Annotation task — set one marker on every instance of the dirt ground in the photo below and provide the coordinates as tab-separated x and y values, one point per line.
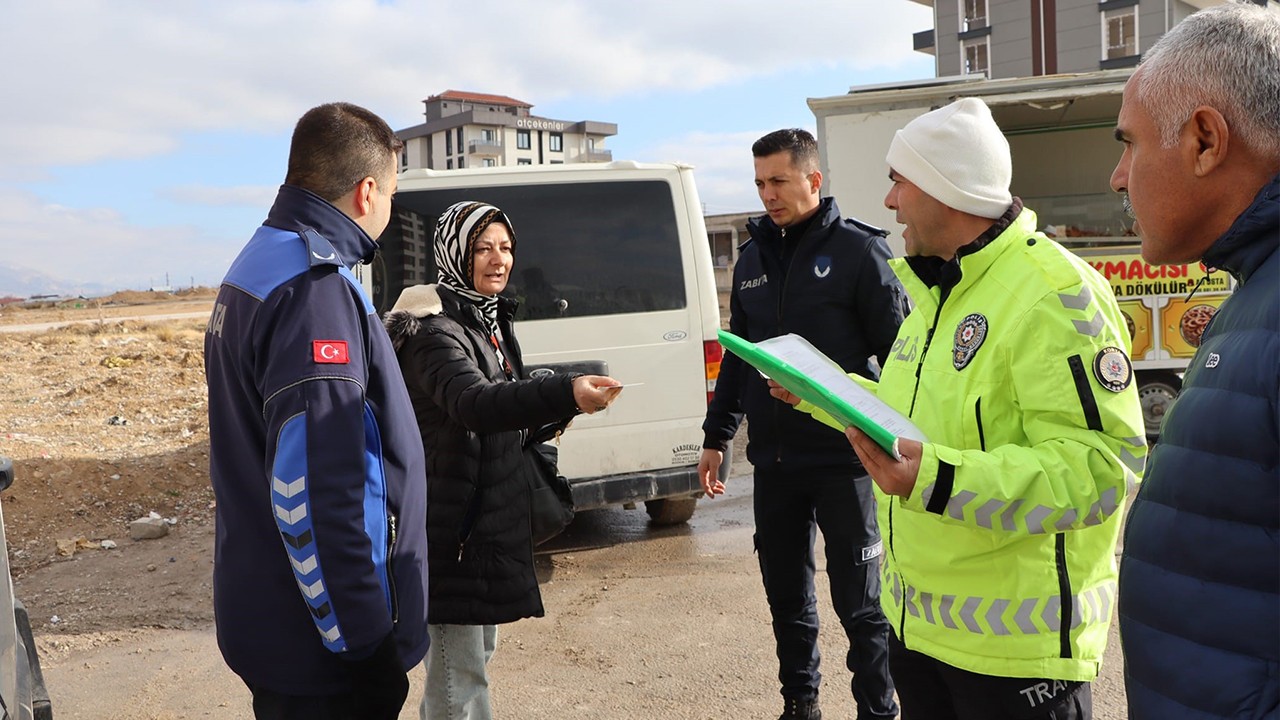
105	422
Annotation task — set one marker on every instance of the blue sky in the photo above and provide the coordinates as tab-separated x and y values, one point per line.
145	139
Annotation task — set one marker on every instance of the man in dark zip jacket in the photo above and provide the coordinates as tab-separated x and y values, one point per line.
808	271
320	556
1199	603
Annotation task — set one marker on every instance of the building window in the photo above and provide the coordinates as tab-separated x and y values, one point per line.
489	162
973	15
721	248
524	161
448	143
448	164
404	157
462	162
976	59
523	141
555	142
1120	33
459	139
488	136
557	162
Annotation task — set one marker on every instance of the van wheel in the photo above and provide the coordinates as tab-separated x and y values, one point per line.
670	511
1156	392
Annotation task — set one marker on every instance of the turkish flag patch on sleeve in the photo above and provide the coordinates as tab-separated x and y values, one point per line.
330	351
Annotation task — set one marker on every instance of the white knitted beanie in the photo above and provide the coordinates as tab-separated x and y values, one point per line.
957	155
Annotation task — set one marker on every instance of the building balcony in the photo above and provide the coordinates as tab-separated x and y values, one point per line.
923	41
481	148
597	156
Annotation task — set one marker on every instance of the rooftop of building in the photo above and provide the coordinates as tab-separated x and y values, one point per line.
472	97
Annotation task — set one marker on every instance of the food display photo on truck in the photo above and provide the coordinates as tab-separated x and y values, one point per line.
1060	130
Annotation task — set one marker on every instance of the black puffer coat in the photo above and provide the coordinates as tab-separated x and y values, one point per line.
473	422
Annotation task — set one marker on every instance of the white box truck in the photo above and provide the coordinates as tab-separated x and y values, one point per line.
613	273
1061	132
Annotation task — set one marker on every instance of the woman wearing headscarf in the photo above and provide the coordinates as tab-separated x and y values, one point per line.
462	365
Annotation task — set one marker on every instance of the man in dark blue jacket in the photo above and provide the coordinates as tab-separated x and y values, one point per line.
320	558
1200	573
808	271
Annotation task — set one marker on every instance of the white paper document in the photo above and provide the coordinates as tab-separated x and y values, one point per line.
822	370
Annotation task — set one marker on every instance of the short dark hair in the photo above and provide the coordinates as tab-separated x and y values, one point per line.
798	142
336	146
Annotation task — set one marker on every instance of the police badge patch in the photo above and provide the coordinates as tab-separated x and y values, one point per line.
969	336
1113	369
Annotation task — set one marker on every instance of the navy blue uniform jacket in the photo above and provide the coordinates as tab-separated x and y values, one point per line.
1200	575
315	460
839	294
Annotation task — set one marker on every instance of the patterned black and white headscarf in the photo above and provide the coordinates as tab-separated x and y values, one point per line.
456	232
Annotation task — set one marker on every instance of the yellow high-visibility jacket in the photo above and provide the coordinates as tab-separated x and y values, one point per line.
1001	561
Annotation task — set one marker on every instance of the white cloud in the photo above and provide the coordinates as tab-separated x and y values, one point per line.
99	246
102	79
252	196
723	168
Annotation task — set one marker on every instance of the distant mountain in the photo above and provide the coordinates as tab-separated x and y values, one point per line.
25	282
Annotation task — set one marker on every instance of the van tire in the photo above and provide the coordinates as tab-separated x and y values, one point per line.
670	511
1156	392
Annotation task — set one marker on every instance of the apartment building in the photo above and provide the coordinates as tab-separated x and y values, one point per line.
467	129
1020	38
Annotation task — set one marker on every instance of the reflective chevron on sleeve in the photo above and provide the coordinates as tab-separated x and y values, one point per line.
290	503
1006	517
305	567
1035	520
1102	508
291	516
983	515
1079	301
1067	520
955	506
288	490
1092	327
996	514
1135	463
313	590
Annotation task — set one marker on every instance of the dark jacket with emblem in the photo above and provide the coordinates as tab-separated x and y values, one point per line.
1200	574
837	292
314	461
473	424
1013	365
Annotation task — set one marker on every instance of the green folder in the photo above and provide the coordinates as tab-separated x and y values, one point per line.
834	400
